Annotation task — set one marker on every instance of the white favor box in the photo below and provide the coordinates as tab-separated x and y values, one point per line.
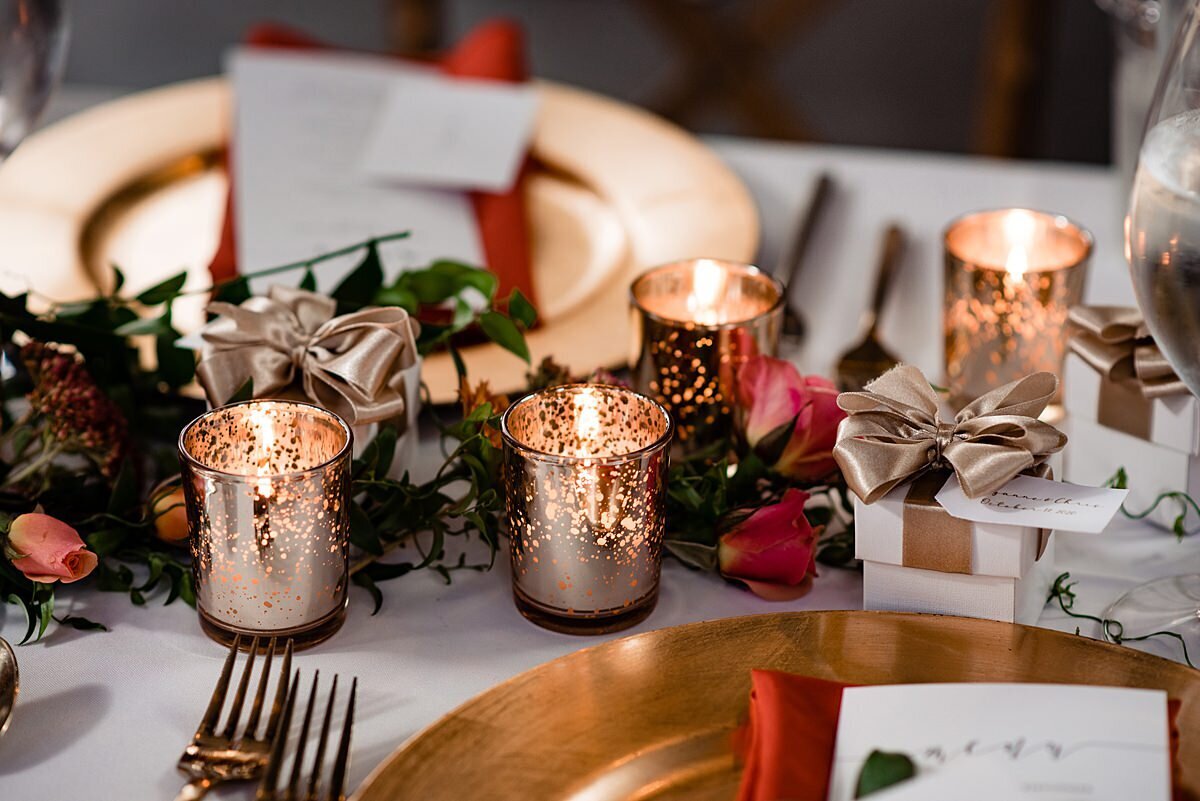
1174	420
896	588
1008	581
1095	453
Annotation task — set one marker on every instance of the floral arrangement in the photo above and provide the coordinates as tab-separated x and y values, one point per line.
85	494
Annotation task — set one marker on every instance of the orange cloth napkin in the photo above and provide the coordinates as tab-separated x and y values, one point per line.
788	742
494	50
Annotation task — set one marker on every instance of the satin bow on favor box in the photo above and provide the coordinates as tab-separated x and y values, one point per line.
352	365
1115	341
893	434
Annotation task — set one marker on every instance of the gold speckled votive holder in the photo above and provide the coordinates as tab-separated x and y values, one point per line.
695	323
585	472
1012	276
267	489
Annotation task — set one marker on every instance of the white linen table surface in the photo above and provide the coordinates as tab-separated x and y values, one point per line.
105	715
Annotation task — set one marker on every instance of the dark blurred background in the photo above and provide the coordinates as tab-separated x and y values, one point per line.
1025	78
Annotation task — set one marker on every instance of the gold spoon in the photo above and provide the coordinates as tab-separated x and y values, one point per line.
869	358
9	684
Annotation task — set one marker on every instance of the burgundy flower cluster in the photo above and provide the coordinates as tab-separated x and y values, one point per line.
77	414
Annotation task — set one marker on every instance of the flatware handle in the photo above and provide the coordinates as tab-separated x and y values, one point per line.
790	267
889	257
194	790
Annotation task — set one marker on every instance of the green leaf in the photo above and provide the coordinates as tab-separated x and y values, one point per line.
883	769
106	542
236	291
504	333
359	287
385	442
158	326
309	281
464	275
245	392
397	296
367	583
521	309
176	366
362	531
81	623
164	290
125	490
693	554
771	447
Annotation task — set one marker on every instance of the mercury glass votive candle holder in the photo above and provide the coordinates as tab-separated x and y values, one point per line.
585	472
267	490
1011	276
695	323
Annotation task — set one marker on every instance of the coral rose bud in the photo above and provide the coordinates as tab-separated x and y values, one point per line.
49	549
773	551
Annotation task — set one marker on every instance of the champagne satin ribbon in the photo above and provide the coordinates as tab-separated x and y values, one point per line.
893	434
352	365
1115	341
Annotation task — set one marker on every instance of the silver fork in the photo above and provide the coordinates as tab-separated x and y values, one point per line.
335	790
236	752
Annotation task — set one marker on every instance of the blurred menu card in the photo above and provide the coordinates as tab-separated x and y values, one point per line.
302	125
1017	741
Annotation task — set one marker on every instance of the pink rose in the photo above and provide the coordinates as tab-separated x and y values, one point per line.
773	551
778	402
51	550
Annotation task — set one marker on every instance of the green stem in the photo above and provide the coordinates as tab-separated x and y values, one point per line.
44	458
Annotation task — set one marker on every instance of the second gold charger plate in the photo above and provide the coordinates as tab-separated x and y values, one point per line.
138	181
651	716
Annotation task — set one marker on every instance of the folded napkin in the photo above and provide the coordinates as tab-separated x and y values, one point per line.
493	50
787	744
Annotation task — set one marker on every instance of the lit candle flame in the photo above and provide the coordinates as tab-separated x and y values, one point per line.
587	422
1019	228
708	288
264	428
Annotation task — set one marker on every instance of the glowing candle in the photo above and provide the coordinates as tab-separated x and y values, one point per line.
266	489
1011	277
695	322
585	469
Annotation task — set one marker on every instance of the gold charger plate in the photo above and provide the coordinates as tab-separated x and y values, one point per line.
136	181
650	716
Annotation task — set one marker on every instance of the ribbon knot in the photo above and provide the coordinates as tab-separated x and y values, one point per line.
893	434
1115	341
289	342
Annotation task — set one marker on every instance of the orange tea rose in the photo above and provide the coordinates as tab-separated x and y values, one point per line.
49	550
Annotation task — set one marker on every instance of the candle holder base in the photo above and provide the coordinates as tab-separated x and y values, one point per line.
302	637
584	623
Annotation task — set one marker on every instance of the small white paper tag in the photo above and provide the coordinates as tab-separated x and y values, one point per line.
435	131
1037	502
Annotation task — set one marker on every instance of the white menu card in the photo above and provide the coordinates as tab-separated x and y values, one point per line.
1049	742
301	128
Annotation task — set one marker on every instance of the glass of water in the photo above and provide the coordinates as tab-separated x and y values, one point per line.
33	47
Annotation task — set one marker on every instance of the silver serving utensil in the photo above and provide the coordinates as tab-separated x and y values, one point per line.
869	358
10	684
789	265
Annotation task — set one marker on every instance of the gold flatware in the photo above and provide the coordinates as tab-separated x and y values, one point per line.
869	358
10	684
335	788
789	265
236	752
651	716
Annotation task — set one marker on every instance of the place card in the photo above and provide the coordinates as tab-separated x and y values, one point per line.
451	133
1038	503
1052	742
301	125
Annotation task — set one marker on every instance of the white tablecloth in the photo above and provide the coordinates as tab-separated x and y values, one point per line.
105	715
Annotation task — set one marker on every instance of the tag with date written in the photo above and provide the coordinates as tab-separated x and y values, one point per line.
1037	502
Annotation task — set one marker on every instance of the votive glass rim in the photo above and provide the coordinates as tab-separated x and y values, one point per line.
198	466
746	268
1061	221
559	458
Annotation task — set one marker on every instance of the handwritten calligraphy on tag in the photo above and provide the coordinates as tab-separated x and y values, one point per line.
1037	502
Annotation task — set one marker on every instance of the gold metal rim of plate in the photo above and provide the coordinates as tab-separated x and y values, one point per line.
651	716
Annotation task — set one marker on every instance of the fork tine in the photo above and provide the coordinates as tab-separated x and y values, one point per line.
261	694
266	785
239	697
337	780
319	758
280	692
294	782
208	723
